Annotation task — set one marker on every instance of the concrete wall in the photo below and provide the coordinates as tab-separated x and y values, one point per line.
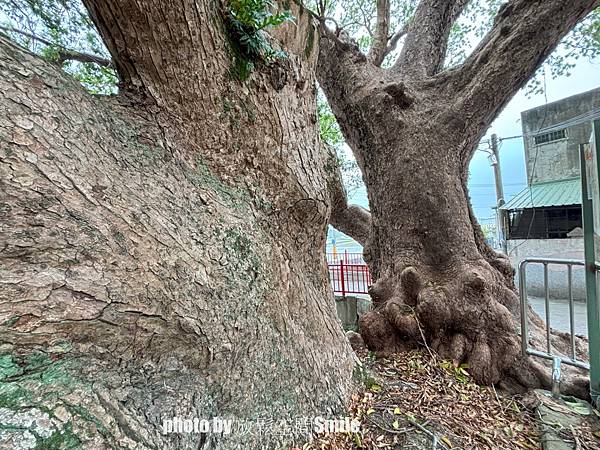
557	275
350	309
557	160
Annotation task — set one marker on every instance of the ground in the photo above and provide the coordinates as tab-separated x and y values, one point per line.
411	399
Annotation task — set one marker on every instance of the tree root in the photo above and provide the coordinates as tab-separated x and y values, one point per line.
465	316
470	316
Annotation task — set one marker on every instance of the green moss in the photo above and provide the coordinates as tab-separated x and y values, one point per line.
61	440
152	155
36	360
12	396
9	367
80	411
118	235
11	321
36	367
203	177
40	382
240	243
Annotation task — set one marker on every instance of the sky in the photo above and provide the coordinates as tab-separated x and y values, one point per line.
584	77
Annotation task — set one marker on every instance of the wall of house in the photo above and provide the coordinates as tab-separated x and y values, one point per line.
571	248
557	160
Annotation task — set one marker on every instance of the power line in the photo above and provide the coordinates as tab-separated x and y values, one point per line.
586	117
493	185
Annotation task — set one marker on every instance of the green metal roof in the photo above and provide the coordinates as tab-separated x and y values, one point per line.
551	193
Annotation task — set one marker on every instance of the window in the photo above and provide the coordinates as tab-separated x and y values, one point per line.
544	223
550	137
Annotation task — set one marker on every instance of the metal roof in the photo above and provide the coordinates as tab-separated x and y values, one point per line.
551	193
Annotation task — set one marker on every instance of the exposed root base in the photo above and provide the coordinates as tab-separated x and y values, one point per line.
468	315
464	315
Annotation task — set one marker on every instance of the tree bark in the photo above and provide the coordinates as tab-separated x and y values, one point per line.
162	251
413	129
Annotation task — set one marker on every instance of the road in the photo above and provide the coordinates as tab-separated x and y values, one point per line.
559	314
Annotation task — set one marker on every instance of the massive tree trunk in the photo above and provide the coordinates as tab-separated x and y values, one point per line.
162	251
413	129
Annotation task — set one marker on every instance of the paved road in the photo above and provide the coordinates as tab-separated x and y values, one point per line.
559	314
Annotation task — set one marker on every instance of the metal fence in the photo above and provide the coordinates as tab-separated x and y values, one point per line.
556	359
570	359
349	278
346	257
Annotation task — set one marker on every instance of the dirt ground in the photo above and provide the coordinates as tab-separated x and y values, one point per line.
416	400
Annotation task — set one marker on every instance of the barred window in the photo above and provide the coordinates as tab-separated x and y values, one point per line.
554	222
550	137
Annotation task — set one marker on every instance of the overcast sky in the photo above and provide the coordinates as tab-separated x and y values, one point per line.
585	76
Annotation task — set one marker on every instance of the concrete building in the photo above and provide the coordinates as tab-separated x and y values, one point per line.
544	220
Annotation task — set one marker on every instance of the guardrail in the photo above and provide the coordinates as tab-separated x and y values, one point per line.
349	278
348	258
545	262
557	360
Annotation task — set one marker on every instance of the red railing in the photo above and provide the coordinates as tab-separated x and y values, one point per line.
349	278
348	258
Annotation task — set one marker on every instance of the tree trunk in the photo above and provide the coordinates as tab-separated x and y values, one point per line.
413	129
423	250
162	251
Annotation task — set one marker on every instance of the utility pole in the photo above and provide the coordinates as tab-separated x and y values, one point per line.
495	162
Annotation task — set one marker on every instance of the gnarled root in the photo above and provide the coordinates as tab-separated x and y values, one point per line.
464	315
468	315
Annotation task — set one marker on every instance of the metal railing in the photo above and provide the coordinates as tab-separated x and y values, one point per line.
349	278
347	257
557	360
572	358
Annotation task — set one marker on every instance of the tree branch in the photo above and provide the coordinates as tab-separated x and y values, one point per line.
382	28
393	41
424	51
525	32
64	54
346	77
353	220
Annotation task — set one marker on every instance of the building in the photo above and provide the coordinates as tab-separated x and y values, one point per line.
544	220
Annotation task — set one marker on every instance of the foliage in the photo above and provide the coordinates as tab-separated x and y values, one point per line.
246	21
357	18
96	79
64	24
582	42
488	230
328	127
459	372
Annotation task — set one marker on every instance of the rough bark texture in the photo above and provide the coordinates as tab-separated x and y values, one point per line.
413	129
162	251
